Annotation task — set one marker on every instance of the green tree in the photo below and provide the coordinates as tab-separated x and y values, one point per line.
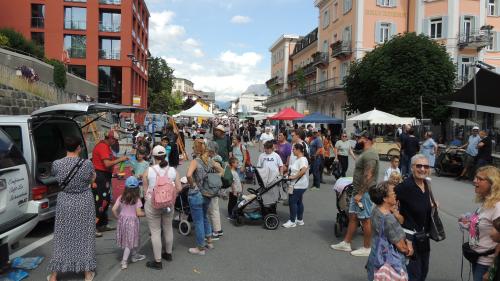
165	102
301	80
17	42
188	103
59	74
160	75
394	75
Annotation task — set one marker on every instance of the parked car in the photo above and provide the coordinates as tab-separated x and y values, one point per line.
40	137
18	214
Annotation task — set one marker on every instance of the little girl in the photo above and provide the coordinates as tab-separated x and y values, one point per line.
139	165
127	209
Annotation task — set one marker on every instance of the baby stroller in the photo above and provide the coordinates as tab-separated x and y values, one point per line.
183	219
260	203
450	162
344	191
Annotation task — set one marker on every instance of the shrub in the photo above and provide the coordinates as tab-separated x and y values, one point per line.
59	73
17	41
4	40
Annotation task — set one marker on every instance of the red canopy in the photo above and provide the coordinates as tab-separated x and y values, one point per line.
286	114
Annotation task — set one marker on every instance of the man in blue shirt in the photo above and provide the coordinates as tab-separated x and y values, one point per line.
316	152
470	154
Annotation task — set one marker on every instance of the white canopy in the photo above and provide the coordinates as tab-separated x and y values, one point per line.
395	121
196	111
382	118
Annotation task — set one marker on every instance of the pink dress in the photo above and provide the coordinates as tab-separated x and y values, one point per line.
127	232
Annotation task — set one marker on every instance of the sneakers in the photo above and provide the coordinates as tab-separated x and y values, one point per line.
154	265
361	252
166	256
342	246
137	257
220	233
124	265
314	188
299	222
196	251
216	235
289	224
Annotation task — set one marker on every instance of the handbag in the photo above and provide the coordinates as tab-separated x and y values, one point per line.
471	255
388	273
227	178
436	229
71	174
212	181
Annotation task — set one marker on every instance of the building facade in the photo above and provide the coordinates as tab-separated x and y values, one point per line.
348	29
103	41
184	86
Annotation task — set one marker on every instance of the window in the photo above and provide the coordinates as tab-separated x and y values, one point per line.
75	45
491	7
15	134
37	15
38	38
465	71
109	22
10	155
436	31
78	70
347	6
344	70
326	19
346	34
75	18
335	11
110	81
384	32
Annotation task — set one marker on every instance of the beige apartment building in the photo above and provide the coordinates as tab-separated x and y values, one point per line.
348	29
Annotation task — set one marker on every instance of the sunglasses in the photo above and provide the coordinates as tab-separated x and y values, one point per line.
420	166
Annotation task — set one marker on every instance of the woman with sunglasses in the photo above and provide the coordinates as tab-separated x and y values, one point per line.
342	150
480	223
415	214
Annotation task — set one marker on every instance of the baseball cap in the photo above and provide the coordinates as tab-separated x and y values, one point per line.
112	134
220	128
140	135
131	182
366	134
159	151
475	128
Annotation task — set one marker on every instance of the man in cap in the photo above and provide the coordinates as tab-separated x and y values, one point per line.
470	153
223	142
104	160
360	207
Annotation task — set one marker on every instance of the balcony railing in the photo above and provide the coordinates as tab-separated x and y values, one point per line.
475	39
461	81
37	22
109	54
78	1
109	27
309	90
341	49
111	2
320	59
77	52
75	24
309	69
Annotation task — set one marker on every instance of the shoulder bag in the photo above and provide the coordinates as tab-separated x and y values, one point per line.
71	174
436	230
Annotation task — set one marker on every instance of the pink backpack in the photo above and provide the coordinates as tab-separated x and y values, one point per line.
164	192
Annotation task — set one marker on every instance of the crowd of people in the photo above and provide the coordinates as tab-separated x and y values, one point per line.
395	213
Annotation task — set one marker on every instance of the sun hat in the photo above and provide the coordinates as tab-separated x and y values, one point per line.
221	128
131	182
159	151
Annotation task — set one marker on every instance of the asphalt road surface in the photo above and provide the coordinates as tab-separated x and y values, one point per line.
250	252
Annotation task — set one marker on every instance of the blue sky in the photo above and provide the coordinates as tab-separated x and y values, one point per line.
222	46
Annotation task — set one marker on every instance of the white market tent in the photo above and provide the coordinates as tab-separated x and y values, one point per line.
378	117
196	111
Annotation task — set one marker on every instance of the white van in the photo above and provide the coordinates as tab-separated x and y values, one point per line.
18	214
40	137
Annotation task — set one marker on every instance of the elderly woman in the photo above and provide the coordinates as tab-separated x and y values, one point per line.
480	223
415	207
429	148
74	229
199	202
385	225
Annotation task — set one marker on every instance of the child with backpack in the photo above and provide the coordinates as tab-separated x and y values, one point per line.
128	210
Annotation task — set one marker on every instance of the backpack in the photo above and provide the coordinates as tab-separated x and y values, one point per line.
211	180
227	178
164	193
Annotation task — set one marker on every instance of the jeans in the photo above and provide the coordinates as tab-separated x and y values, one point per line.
296	205
344	164
418	267
405	165
199	209
478	270
316	170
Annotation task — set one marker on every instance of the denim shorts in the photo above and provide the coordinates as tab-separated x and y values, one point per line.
364	213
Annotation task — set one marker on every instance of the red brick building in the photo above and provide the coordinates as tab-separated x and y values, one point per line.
103	41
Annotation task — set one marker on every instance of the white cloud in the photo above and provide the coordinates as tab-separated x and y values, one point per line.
198	53
246	59
174	61
191	42
240	19
196	67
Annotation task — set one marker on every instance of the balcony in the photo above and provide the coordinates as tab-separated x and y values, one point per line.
341	49
309	70
276	80
474	39
108	54
77	52
110	2
75	24
461	81
37	22
309	90
320	59
109	27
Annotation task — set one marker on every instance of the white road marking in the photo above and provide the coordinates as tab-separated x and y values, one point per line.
32	246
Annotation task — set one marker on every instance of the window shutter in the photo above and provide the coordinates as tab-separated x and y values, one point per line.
496	41
425	27
394	30
476	24
444	32
377	32
461	26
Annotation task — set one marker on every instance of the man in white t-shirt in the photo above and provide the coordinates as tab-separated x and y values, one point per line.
270	159
266	136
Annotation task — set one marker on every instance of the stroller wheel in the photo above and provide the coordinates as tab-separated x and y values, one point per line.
438	171
271	221
184	227
238	221
338	229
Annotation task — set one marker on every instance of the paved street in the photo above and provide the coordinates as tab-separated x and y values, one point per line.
251	252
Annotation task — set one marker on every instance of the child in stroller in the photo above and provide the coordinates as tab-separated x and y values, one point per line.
260	203
343	190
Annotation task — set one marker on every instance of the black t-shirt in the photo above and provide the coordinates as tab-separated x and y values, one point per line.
484	152
410	146
414	205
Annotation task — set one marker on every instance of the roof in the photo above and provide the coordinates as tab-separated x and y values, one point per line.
282	38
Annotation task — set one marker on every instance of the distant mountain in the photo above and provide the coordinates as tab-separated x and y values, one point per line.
259	89
223	104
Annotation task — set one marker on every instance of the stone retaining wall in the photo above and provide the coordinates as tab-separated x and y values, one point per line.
14	102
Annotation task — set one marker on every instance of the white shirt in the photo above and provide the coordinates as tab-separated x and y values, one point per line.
264	137
303	182
172	174
270	161
389	171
